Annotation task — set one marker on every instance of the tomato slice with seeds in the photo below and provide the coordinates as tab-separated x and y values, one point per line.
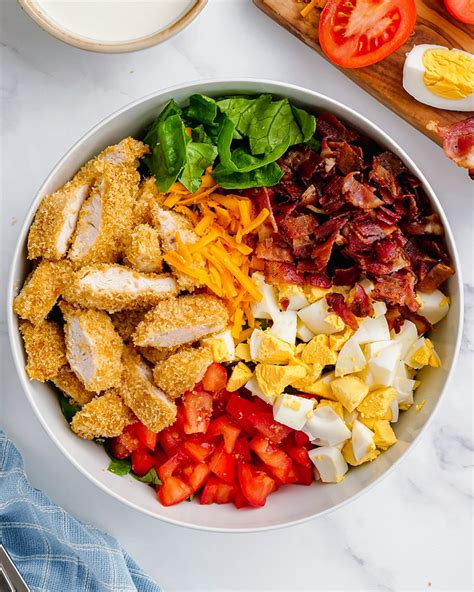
357	33
462	10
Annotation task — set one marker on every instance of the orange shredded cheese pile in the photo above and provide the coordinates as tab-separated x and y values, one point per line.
220	259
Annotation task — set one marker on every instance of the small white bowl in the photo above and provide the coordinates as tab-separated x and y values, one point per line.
53	27
291	504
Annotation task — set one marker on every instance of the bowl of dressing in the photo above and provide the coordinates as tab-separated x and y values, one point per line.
112	26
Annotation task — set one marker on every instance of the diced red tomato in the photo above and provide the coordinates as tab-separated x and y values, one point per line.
305	474
298	453
240	501
223	465
266	425
293	476
226	427
217	491
171	439
220	400
159	458
142	462
197	449
200	474
173	491
242	450
197	412
272	456
118	449
256	485
146	436
215	378
240	409
171	465
129	438
301	439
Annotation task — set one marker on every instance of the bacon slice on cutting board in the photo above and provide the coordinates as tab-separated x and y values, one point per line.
458	142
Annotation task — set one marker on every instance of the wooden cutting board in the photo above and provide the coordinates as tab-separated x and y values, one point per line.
384	80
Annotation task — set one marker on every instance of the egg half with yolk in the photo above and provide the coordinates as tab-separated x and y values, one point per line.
440	77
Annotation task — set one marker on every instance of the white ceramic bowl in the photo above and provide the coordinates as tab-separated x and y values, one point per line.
291	504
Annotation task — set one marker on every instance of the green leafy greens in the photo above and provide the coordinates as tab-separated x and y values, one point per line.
151	477
241	137
68	409
120	467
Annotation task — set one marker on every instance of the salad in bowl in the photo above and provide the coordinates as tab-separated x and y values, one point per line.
238	299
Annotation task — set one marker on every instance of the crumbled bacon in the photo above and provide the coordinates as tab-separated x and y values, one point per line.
435	277
322	251
286	273
458	142
359	195
346	276
298	226
397	315
269	250
385	169
329	126
338	305
397	288
361	305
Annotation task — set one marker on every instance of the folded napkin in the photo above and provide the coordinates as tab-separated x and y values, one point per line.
53	551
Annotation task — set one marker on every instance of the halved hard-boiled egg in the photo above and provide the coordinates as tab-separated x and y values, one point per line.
440	77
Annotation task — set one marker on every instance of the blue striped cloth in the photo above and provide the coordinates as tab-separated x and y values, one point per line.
53	551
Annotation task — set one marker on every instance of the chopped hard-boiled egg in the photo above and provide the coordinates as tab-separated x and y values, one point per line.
222	346
325	427
309	382
349	456
383	361
384	435
395	411
314	293
303	332
284	326
322	386
404	388
362	440
419	354
273	379
269	349
337	340
318	319
434	306
351	358
292	411
330	463
242	352
377	404
253	386
292	296
407	336
336	406
372	329
440	77
317	351
349	390
267	307
239	376
380	308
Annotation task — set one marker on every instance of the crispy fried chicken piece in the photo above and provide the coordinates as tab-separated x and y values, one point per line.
182	370
181	320
142	249
41	290
106	216
45	349
72	387
158	354
103	417
116	287
128	152
126	322
94	348
148	402
148	197
169	224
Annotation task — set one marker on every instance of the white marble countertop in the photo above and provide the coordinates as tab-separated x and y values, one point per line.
412	531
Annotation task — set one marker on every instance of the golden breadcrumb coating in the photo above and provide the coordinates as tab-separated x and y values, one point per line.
72	387
41	290
142	249
103	417
169	224
94	348
106	216
115	287
158	354
128	151
182	370
45	349
148	196
147	401
181	320
126	321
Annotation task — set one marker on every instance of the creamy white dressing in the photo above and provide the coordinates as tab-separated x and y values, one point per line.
114	20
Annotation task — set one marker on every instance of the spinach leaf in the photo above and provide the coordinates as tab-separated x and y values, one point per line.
68	409
314	143
198	157
240	109
245	162
224	141
119	466
168	155
306	122
172	108
151	477
199	134
202	108
265	176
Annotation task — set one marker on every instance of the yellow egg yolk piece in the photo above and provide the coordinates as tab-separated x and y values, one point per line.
448	73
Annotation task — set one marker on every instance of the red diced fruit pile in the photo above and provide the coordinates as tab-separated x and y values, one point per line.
224	446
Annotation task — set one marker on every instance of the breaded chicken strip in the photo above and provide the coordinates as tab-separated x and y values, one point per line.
56	218
181	320
149	196
158	354
126	322
104	417
94	348
116	287
169	224
45	349
142	249
106	217
149	403
182	370
42	289
72	387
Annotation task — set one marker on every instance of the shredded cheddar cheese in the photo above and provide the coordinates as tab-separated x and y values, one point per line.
309	7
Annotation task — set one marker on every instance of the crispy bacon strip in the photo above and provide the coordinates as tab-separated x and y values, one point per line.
338	305
458	141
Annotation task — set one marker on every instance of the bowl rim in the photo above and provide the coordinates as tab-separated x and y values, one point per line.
42	19
194	86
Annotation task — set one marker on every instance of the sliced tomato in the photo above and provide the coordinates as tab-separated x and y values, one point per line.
300	455
301	439
223	465
272	456
199	475
226	427
268	427
240	409
146	436
305	474
215	378
220	400
362	32
462	10
256	485
197	407
142	462
240	501
168	468
198	449
242	450
118	449
173	491
292	476
171	439
217	491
